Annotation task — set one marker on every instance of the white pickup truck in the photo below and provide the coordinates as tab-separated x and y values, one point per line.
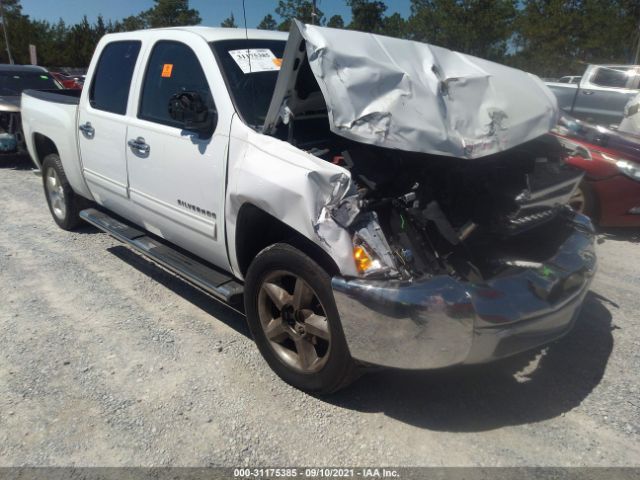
366	200
601	93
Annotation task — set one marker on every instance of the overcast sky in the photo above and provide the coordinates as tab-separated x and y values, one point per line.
211	11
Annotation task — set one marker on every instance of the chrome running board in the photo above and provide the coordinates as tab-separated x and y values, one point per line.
213	281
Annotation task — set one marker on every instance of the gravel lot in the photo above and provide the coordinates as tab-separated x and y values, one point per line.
105	359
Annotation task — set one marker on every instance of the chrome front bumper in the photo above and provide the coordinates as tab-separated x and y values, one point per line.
440	321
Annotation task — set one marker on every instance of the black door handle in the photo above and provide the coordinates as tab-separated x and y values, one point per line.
87	130
139	146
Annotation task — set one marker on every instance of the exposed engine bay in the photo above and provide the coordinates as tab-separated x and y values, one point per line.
415	214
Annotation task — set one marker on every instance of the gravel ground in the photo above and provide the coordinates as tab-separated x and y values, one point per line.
107	360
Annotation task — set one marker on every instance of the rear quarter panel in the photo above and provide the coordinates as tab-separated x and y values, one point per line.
57	122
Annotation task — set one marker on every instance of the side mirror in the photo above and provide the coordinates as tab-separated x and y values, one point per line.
191	111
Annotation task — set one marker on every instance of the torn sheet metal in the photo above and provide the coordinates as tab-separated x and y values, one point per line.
412	96
298	189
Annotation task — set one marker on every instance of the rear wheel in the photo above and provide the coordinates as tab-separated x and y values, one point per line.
294	320
63	202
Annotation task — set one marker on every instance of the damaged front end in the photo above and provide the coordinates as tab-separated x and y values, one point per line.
464	247
461	262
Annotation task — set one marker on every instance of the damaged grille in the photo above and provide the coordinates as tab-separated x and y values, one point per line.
529	220
548	188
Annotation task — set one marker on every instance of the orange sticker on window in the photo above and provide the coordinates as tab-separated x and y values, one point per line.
277	62
167	69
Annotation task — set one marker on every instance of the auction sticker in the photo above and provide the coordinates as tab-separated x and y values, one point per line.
256	60
167	70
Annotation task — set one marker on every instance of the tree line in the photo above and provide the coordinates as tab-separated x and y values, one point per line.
546	37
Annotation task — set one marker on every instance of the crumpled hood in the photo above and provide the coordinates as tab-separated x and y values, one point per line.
411	96
9	104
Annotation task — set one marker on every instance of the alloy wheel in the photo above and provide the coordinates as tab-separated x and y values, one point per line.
294	321
55	192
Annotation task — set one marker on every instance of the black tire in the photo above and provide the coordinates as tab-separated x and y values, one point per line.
338	369
66	212
589	202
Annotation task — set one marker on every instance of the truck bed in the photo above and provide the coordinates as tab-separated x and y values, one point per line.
50	117
68	97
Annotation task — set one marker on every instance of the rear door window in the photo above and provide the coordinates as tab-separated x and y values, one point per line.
112	79
173	68
611	77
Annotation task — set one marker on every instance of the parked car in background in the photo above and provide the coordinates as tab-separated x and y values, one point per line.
601	94
13	80
610	190
67	81
570	79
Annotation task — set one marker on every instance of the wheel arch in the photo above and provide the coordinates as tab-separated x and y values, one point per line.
257	229
43	146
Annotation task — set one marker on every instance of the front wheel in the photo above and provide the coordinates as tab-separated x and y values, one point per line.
63	202
294	320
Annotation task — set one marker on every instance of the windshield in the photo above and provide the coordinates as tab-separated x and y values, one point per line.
13	83
251	89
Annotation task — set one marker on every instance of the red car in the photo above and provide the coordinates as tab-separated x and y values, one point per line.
67	81
610	190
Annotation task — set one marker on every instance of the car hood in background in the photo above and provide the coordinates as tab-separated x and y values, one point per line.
408	95
623	144
9	104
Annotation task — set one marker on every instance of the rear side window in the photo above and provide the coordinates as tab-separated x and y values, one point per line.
173	68
611	77
112	78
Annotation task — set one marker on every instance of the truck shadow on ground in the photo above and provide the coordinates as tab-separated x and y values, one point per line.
204	302
523	389
16	162
87	229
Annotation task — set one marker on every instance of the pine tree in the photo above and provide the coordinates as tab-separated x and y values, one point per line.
336	21
268	23
298	9
367	15
229	22
171	13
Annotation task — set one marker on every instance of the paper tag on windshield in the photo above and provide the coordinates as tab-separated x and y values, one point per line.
255	60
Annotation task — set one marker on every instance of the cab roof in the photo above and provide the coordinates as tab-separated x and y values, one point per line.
213	34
